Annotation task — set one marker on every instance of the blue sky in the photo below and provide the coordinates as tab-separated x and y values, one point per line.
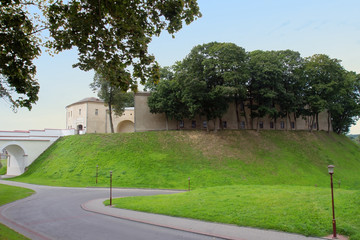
329	27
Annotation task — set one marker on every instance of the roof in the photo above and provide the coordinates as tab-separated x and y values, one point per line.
85	100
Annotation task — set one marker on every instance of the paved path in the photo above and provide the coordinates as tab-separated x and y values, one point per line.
58	213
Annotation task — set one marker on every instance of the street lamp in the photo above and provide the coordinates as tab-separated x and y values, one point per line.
331	172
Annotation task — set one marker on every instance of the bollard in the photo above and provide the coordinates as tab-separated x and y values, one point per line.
110	188
97	167
189	183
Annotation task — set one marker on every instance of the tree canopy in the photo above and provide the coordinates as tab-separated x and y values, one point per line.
276	84
105	34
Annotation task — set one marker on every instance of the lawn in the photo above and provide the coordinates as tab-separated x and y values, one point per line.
3	167
295	209
10	194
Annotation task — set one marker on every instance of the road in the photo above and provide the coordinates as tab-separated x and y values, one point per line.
55	213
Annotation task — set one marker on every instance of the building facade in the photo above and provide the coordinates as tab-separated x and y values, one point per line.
146	121
91	115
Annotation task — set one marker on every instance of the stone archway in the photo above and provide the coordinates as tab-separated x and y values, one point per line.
125	126
16	159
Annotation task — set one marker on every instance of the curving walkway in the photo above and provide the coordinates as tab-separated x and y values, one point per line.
78	213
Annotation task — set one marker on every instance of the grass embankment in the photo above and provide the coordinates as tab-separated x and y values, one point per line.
167	159
3	167
10	194
295	209
264	179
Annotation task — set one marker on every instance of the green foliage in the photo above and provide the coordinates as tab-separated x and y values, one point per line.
109	36
114	96
9	194
116	33
303	210
3	167
18	48
167	159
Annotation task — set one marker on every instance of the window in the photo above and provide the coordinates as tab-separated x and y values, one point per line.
204	124
292	125
282	124
193	124
261	124
96	112
271	125
242	125
181	124
79	112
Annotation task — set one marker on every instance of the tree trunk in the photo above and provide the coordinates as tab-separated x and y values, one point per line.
317	121
215	128
329	121
110	118
167	123
245	116
237	113
295	123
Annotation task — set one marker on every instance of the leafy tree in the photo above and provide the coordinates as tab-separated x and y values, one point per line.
265	84
323	76
115	98
105	33
19	46
167	99
345	108
291	92
117	32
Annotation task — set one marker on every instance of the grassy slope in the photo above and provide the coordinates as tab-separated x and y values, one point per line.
298	209
167	159
10	194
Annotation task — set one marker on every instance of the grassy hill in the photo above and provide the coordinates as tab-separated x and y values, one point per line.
167	159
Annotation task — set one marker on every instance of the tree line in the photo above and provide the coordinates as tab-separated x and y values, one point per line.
274	84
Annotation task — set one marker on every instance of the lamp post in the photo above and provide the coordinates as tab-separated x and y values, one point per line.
331	172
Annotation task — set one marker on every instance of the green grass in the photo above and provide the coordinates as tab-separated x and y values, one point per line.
167	159
267	178
303	210
3	167
10	194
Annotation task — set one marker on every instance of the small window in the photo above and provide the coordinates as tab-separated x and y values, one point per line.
292	125
261	124
282	124
271	125
96	112
79	111
181	124
193	124
204	124
242	125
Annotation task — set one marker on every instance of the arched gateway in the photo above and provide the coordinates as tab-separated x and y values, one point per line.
23	147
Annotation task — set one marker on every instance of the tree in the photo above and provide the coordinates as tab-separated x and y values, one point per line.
291	94
323	76
105	34
265	84
345	109
19	46
115	98
117	32
167	98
